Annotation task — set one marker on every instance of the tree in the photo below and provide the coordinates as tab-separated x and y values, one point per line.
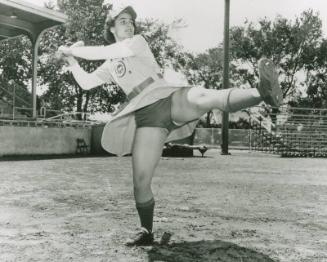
15	57
85	22
15	67
286	42
295	46
316	79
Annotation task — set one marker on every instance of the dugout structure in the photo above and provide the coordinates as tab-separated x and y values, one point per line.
22	18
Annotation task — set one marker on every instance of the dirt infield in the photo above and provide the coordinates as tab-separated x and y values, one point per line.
239	208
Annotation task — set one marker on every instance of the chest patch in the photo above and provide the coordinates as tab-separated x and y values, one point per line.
120	68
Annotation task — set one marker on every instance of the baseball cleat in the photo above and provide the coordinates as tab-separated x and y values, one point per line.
268	85
142	238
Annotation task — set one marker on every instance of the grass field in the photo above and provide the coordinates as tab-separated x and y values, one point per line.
239	208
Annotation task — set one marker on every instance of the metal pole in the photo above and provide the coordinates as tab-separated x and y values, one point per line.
35	39
225	116
36	44
34	77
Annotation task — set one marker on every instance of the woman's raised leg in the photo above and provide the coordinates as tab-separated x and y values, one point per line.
191	103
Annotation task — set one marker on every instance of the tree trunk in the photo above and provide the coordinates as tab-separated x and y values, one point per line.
86	104
208	118
79	104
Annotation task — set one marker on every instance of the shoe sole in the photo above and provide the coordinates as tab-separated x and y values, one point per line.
268	86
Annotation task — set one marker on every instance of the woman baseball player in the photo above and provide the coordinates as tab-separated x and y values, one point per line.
157	112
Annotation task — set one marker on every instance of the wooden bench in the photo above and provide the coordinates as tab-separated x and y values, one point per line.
202	140
81	147
202	148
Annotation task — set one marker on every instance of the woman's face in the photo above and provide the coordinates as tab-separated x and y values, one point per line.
123	27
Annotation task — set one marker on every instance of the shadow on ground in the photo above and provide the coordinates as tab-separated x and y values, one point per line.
205	251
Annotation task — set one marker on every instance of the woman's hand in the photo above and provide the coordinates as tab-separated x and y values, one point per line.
65	50
65	55
69	60
61	58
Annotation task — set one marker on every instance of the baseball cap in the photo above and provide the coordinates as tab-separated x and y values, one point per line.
113	13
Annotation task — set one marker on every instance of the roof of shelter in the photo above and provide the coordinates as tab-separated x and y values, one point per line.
19	17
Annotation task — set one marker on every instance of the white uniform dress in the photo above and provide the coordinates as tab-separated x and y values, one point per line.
131	65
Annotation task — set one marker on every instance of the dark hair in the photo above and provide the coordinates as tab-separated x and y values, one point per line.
108	36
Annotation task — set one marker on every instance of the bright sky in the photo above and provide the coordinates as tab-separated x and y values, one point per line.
205	18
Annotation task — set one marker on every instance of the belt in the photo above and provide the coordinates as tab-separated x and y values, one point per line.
140	87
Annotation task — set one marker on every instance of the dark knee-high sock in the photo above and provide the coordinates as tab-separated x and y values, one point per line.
146	211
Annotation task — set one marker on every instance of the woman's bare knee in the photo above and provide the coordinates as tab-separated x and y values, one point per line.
200	98
142	180
142	187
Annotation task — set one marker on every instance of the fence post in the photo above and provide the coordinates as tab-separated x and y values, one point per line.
13	102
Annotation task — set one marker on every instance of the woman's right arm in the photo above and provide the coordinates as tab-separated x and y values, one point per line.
126	48
90	80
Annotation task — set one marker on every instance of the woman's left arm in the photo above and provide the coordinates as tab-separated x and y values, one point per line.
125	48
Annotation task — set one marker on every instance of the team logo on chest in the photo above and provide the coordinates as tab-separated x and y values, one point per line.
120	68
